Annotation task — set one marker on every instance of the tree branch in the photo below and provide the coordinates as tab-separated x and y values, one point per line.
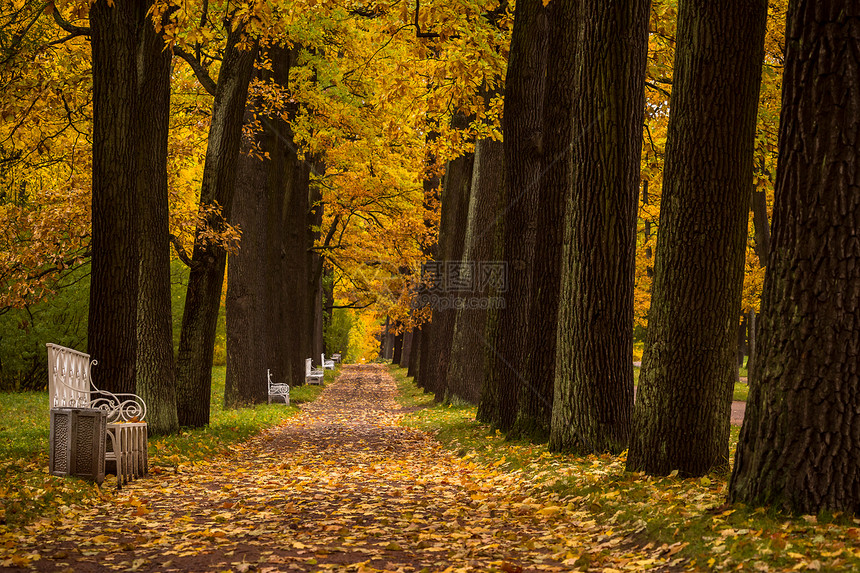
70	28
180	251
202	75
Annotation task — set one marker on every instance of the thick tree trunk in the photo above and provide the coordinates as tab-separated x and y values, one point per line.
315	260
415	352
452	230
293	286
253	328
594	378
523	144
156	374
406	351
683	403
534	417
203	297
112	328
799	447
469	346
398	349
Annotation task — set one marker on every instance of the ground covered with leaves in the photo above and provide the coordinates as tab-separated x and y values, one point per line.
341	486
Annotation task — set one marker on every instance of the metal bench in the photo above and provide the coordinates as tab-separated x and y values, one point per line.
70	386
312	375
278	390
329	364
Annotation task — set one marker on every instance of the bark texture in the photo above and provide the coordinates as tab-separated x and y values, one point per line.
254	307
534	417
799	447
112	321
156	374
523	145
456	187
203	296
469	345
594	377
683	403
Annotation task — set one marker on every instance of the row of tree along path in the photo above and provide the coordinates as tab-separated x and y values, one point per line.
340	484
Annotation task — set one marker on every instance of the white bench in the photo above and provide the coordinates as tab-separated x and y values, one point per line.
312	375
335	357
278	390
326	363
70	386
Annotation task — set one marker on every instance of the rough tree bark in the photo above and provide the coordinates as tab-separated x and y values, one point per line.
252	306
534	416
523	142
203	296
156	374
683	403
456	187
406	351
594	378
799	447
112	321
469	345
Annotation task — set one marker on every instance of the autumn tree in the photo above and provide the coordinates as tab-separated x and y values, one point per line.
522	125
203	297
685	385
594	379
112	326
798	445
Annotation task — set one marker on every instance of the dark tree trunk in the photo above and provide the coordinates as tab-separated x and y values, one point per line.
742	340
315	260
156	374
534	417
398	349
799	447
683	403
415	352
253	329
594	379
406	351
466	370
753	348
328	307
762	227
293	286
112	328
452	230
523	143
203	297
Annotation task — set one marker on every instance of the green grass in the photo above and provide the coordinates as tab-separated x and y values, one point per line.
689	515
28	492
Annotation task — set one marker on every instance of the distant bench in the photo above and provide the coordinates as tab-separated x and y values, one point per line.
312	375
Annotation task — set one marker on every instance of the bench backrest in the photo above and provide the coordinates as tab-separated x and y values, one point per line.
68	377
70	386
308	366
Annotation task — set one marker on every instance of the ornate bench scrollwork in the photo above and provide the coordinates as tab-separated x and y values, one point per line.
70	385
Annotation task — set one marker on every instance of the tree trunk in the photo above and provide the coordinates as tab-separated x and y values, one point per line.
799	447
203	296
594	379
466	370
156	374
523	144
293	284
534	417
315	260
452	230
112	328
398	349
760	223
253	328
406	351
415	352
752	343
683	403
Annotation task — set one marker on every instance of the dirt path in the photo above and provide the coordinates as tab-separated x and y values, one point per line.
340	487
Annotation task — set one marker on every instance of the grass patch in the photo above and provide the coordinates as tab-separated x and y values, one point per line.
28	492
689	515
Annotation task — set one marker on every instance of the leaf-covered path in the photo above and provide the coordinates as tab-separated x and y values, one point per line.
342	486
